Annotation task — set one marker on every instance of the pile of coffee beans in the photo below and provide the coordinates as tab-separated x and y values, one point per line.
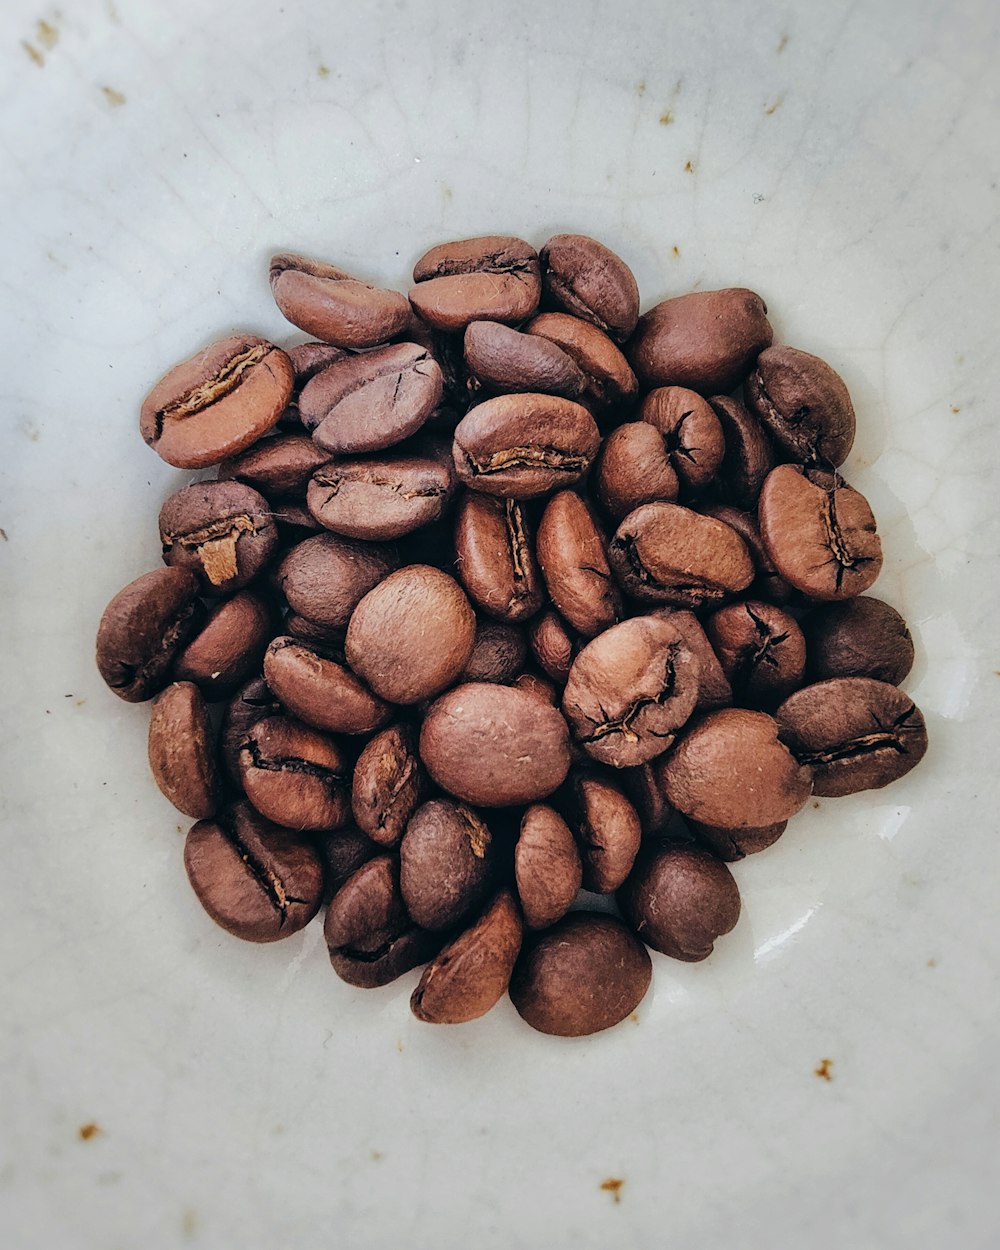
501	593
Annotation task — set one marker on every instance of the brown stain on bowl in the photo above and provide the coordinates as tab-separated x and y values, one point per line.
822	1070
88	1132
613	1186
113	97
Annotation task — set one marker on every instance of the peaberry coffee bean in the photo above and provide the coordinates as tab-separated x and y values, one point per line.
502	359
587	279
552	645
495	547
749	457
217	403
630	690
447	862
761	649
229	646
251	703
538	686
490	278
295	775
279	467
143	628
714	689
412	635
258	881
388	784
343	853
520	746
854	733
610	382
819	532
691	432
314	685
498	653
182	751
768	584
326	577
735	844
634	468
572	555
547	866
680	900
863	637
607	830
804	404
222	531
587	973
333	305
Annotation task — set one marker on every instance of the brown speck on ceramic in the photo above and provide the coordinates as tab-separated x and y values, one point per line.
782	44
3	536
822	1070
324	71
613	1186
666	117
33	52
113	97
676	250
89	1131
688	167
773	108
640	89
47	35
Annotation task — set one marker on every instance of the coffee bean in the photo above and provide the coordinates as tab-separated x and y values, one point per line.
630	690
768	584
495	546
315	686
492	278
714	689
571	553
304	630
388	783
749	457
504	360
256	880
547	867
412	635
143	628
641	784
309	358
819	532
691	432
448	351
552	645
730	770
680	900
182	751
634	468
863	637
217	403
333	305
222	531
663	553
343	853
538	686
447	863
294	521
607	830
735	844
326	577
279	467
804	404
251	703
294	775
229	647
588	280
854	733
472	973
610	382
493	746
523	446
761	649
587	973
498	653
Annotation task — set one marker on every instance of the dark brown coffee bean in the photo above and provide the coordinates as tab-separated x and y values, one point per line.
573	560
663	553
761	649
504	360
143	628
714	689
222	531
547	867
304	630
472	973
309	358
372	401
819	532
495	546
333	305
538	686
607	830
182	751
611	384
279	467
316	686
634	468
294	521
648	799
588	280
447	863
492	278
804	404
294	775
680	900
552	645
258	881
498	653
251	703
863	637
768	584
735	844
630	690
447	350
388	783
749	457
494	746
217	403
229	647
343	853
587	973
707	341
326	577
854	733
522	446
692	435
412	635
730	770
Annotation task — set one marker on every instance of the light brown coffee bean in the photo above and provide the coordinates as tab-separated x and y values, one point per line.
326	577
761	649
315	686
611	384
222	531
295	775
749	457
634	468
804	404
495	546
587	279
680	900
143	628
388	784
768	584
491	278
503	360
228	649
573	560
279	467
498	653
547	867
607	830
448	859
182	751
692	435
333	305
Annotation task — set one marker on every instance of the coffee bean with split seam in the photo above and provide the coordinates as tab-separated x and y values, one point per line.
222	531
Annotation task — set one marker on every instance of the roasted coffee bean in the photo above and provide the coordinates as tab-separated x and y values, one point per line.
819	532
372	401
229	647
863	637
761	649
498	653
326	577
333	305
294	521
308	631
294	775
538	686
730	770
492	278
588	280
258	881
663	553
222	531
432	544
251	703
447	350
217	403
316	686
804	404
610	382
749	457
343	853
607	830
630	690
641	784
691	432
447	862
735	844
495	546
505	360
680	900
572	555
143	628
279	467
587	973
547	867
768	584
182	751
309	358
472	973
854	733
714	689
522	446
412	635
520	746
552	645
388	783
634	468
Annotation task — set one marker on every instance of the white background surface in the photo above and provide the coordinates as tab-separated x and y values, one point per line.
844	162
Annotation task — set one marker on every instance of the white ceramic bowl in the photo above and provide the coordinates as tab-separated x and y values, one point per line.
840	159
